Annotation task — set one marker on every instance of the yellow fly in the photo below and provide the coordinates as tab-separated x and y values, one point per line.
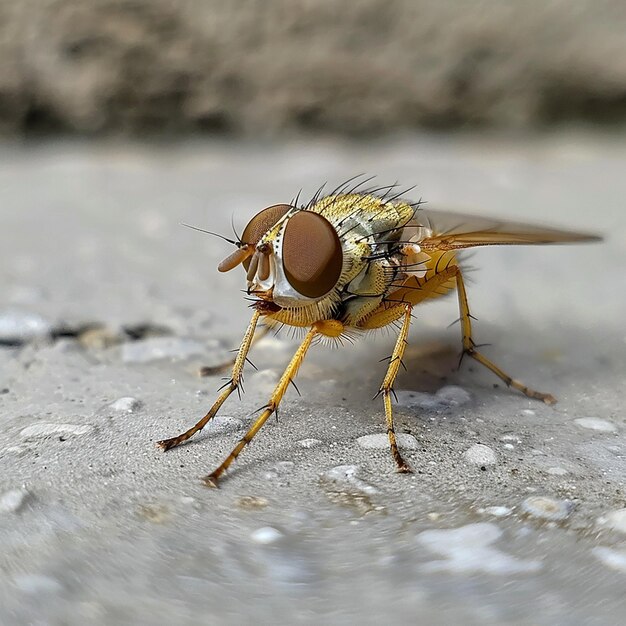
354	261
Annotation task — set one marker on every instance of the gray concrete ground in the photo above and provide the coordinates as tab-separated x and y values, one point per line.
515	514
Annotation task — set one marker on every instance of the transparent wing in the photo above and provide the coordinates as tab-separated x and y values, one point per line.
442	230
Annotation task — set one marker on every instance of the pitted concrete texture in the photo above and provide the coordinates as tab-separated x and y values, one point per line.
515	513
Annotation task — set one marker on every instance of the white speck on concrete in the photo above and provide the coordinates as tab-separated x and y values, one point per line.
595	423
615	520
21	326
498	511
346	477
468	549
17	450
125	405
284	467
480	454
508	446
156	348
453	395
557	471
615	559
266	535
224	424
445	398
309	443
36	431
37	584
11	501
547	508
381	441
513	438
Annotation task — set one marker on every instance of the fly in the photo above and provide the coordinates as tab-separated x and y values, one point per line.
351	262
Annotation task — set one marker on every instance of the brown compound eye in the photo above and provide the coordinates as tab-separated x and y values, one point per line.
312	254
261	223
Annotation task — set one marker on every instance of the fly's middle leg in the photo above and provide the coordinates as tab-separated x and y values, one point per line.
233	384
386	389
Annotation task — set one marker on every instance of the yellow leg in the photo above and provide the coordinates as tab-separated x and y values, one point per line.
387	386
288	375
218	369
235	380
469	348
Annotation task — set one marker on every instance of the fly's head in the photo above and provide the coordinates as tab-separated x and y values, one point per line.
293	258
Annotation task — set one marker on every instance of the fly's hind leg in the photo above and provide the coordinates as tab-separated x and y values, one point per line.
469	347
386	389
235	381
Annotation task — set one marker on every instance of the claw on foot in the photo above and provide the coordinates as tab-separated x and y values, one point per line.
210	481
404	469
549	399
166	444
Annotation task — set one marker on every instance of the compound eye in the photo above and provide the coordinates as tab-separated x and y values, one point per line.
312	254
261	223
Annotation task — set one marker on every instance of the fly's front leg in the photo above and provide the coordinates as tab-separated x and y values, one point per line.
288	375
234	382
218	369
387	389
469	348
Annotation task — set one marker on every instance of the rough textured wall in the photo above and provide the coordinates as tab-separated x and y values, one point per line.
262	66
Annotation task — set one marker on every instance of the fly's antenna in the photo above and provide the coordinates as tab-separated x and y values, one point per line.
232	225
208	232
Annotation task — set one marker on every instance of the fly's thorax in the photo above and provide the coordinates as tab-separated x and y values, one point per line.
306	260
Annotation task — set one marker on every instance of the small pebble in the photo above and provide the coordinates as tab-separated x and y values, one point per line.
266	535
381	441
615	520
445	398
615	559
468	549
11	501
50	430
508	446
547	508
595	423
309	443
479	454
498	511
346	477
284	467
156	348
453	395
21	326
224	424
125	405
557	471
513	438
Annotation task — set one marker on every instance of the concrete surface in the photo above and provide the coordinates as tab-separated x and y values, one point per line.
515	514
365	66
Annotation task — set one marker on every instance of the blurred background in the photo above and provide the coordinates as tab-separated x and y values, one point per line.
263	68
120	119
